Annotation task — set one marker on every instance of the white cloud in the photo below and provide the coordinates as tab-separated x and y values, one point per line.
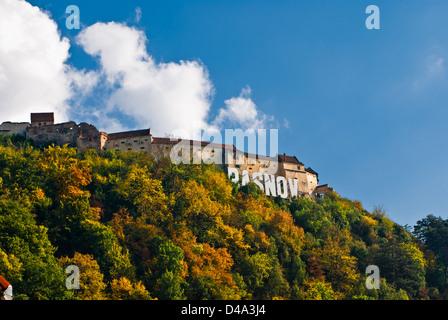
129	90
138	14
33	73
433	68
242	112
163	96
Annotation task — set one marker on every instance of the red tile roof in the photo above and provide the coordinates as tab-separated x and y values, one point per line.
42	117
158	140
289	159
129	134
311	171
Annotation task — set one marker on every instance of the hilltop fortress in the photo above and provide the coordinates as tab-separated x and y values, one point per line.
282	175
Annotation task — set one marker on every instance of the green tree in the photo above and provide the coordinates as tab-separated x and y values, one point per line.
402	264
433	231
170	286
25	245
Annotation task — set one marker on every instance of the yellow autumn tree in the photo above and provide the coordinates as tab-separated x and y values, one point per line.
91	284
67	174
283	225
146	194
318	290
208	267
124	289
337	263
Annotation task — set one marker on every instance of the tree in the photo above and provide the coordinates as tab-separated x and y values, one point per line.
146	195
318	290
66	174
401	263
28	255
433	231
91	284
310	216
169	286
337	263
123	289
93	237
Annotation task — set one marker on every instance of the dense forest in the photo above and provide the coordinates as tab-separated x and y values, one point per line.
138	228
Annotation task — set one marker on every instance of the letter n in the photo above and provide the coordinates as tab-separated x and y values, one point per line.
282	187
269	184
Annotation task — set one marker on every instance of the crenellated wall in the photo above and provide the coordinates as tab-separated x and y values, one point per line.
83	136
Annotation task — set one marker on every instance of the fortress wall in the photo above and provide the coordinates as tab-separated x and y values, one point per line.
253	163
83	136
313	182
293	166
59	134
14	128
159	150
142	143
302	179
137	140
88	137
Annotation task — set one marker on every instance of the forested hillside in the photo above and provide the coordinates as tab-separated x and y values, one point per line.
144	229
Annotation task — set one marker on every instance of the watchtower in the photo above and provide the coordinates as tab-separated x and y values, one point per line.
42	119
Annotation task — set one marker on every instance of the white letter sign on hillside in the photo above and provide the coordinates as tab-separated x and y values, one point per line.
273	185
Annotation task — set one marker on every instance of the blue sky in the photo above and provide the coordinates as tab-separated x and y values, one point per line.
366	109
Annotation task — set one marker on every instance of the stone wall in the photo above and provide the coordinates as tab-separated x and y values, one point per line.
139	140
14	128
83	136
322	190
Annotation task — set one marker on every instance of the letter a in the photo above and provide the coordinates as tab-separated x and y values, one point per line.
72	281
373	280
72	21
373	21
233	172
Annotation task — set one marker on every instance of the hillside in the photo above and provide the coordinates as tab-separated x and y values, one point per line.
144	229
